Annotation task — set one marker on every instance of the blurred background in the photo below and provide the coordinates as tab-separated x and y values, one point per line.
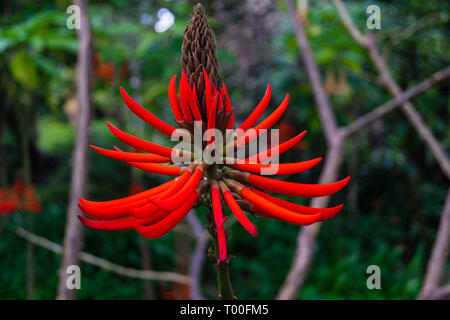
392	205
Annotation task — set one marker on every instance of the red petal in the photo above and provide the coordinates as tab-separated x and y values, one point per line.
182	195
145	115
173	98
277	150
131	156
208	92
186	93
265	124
139	143
151	208
158	168
297	189
326	213
212	119
116	225
258	111
163	226
279	212
278	168
240	216
183	99
130	199
111	213
219	220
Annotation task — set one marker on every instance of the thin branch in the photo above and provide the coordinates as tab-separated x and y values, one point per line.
382	110
439	255
103	263
307	237
73	234
348	22
198	257
306	240
442	293
323	103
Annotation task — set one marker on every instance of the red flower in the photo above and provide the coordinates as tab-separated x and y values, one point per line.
19	197
8	202
155	212
104	70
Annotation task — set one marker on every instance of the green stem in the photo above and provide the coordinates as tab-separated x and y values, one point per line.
223	275
224	282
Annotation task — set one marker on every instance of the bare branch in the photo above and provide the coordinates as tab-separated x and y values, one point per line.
442	293
103	263
439	255
413	116
198	257
74	232
146	264
348	22
307	237
382	110
326	114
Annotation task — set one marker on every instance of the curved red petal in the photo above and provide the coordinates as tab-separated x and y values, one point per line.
111	213
267	123
146	115
276	168
151	208
325	212
115	225
182	195
297	189
258	111
183	99
219	221
173	99
277	150
158	168
131	156
139	143
237	211
163	226
279	212
129	199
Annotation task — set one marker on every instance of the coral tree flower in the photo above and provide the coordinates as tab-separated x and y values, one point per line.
19	197
203	98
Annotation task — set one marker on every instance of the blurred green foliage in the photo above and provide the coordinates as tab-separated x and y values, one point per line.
392	220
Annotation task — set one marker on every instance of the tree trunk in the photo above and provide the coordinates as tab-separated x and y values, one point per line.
307	237
439	255
73	233
146	262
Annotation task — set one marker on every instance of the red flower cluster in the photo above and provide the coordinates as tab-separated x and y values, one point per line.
107	70
19	197
155	212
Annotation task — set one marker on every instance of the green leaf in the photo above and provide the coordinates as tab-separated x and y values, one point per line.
23	69
5	43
